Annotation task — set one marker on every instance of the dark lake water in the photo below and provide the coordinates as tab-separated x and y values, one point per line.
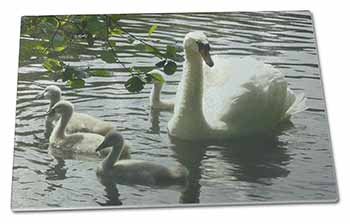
296	166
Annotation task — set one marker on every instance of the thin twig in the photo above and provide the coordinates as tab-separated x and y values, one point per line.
53	36
69	21
111	47
141	40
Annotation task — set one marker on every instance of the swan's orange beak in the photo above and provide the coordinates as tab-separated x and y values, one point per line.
204	51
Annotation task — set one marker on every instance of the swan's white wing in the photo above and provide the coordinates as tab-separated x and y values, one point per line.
248	95
223	82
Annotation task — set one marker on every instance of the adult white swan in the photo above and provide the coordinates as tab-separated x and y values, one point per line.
135	172
76	143
236	97
79	122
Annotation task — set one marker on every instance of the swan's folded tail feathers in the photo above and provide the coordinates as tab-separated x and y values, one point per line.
262	103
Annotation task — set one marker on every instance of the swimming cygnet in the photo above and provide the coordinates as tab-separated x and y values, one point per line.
78	123
135	172
77	143
155	101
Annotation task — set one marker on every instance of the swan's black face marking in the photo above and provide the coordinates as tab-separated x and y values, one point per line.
204	49
204	46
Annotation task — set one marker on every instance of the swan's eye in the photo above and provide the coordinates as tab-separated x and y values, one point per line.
203	46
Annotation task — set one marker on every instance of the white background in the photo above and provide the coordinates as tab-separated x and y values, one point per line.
332	29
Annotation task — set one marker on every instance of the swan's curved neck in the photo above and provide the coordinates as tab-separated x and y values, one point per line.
188	120
61	129
155	94
190	98
53	100
112	157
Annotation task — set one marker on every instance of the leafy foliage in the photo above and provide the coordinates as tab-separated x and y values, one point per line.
157	76
134	84
152	29
53	40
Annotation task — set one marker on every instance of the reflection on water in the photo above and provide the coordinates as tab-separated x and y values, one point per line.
191	155
295	165
154	119
256	161
57	171
112	195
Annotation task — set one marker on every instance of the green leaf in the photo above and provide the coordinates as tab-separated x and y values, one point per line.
157	76
94	25
41	49
68	74
51	20
117	31
59	42
152	29
90	39
153	50
77	83
131	40
100	73
150	49
73	73
170	51
134	84
59	48
170	67
58	39
178	58
161	63
108	57
139	45
52	65
115	18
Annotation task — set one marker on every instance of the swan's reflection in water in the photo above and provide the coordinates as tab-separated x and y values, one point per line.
250	161
190	155
57	170
154	119
257	160
112	194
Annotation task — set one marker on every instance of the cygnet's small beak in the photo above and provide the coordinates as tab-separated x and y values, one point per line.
101	146
39	96
49	112
204	51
